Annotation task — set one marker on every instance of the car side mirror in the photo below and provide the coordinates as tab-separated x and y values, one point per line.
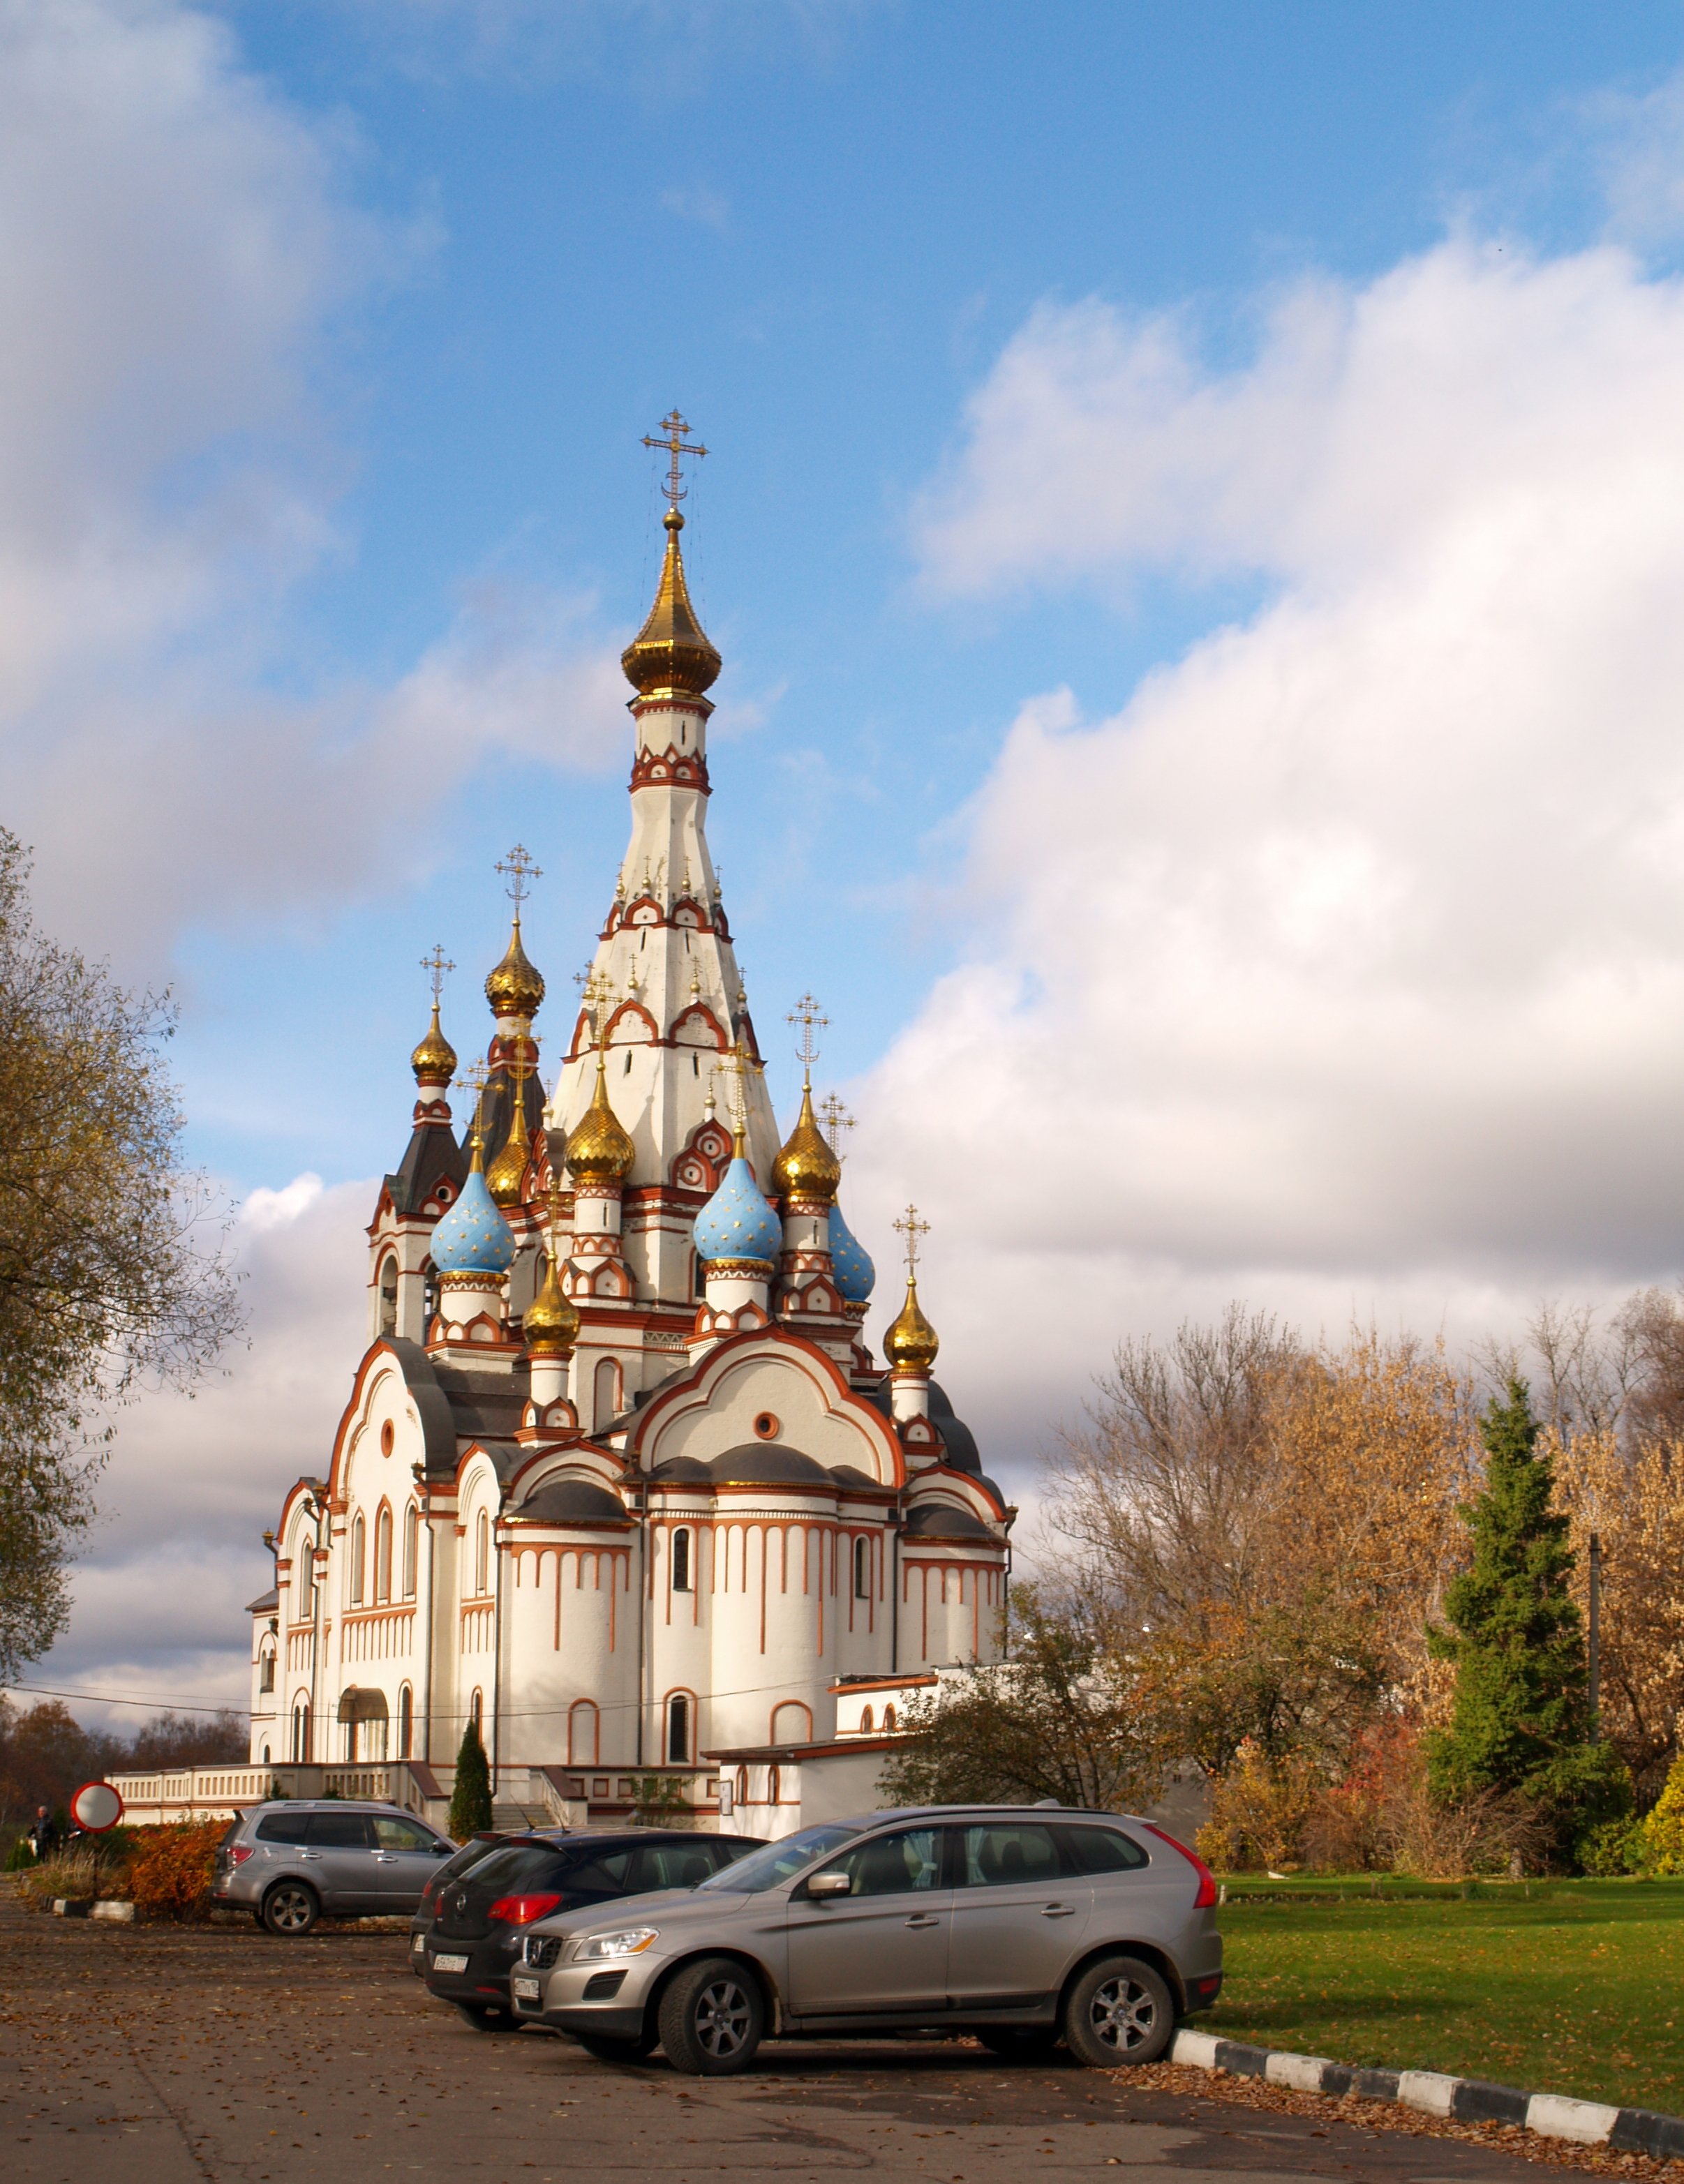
824	1885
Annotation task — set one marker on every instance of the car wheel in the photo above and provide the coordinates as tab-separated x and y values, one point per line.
608	2049
1119	2011
488	2016
713	2018
291	1909
1020	2043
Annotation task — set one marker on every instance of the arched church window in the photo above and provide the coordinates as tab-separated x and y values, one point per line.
864	1718
406	1720
681	1559
476	1711
862	1569
606	1387
265	1671
482	1553
679	1728
301	1732
698	1275
388	1296
382	1557
265	1756
584	1730
411	1540
429	1296
888	1717
304	1557
358	1542
792	1723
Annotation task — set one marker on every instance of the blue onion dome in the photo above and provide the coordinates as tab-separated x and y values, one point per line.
736	1223
850	1261
473	1238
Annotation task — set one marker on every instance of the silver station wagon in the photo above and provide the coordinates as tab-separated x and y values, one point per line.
1021	1925
290	1864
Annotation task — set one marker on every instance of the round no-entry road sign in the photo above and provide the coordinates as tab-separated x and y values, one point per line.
95	1807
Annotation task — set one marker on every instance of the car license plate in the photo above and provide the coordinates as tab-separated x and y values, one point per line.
528	1989
449	1963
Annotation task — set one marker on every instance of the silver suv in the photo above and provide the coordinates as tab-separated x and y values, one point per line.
1021	1925
290	1864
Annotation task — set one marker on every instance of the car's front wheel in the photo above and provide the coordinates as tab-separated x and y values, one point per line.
713	2018
1119	2011
291	1909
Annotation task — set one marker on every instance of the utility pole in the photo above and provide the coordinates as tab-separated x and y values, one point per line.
1596	1627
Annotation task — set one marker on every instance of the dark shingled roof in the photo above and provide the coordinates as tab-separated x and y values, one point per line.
769	1463
264	1603
959	1443
431	1155
572	1501
681	1470
940	1520
457	1405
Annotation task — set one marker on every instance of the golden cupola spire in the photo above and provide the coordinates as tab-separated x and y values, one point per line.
672	655
434	1061
911	1343
507	1172
599	1150
515	987
806	1169
550	1326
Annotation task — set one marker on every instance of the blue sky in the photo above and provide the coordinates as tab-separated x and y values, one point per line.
1191	530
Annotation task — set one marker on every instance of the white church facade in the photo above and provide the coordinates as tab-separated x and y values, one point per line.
618	1476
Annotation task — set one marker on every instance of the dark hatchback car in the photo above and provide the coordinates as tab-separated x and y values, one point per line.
480	1916
476	1847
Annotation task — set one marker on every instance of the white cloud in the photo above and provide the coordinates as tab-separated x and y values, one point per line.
1344	967
194	1481
177	250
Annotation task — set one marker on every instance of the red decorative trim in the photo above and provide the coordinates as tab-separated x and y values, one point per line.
701	1015
636	1009
671	769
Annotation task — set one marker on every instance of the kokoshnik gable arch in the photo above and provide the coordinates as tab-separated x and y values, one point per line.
619	1477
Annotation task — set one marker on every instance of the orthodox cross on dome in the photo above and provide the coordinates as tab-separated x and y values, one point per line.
474	1081
837	1121
914	1230
677	444
812	1019
437	966
519	870
737	1069
594	991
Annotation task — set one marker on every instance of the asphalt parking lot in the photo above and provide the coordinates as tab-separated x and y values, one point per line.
221	2056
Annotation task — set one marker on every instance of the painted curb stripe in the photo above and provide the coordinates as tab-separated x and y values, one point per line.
1468	2100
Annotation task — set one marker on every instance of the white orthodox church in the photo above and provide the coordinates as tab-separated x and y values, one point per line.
618	1477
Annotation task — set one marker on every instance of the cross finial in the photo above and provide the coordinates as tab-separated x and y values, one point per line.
519	870
812	1018
593	990
914	1230
473	1080
435	966
677	444
737	1068
836	1119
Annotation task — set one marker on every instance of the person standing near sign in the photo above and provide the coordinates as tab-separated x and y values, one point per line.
43	1836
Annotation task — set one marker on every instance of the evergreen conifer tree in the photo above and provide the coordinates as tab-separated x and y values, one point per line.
1521	1721
471	1799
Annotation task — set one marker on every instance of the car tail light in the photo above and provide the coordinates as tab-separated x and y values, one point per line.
239	1853
522	1910
1206	1898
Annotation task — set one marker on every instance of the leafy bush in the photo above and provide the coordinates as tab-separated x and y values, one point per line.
20	1858
169	1873
1663	1831
1614	1847
1259	1813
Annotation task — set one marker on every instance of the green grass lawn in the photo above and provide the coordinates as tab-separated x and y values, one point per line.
1564	1986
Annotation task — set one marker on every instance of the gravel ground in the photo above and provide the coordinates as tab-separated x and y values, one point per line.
220	2056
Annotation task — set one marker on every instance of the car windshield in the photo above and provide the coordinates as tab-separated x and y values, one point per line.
780	1861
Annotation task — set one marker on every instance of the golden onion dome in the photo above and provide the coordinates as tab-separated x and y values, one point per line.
506	1174
434	1061
551	1323
598	1150
515	987
912	1342
807	1167
671	655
